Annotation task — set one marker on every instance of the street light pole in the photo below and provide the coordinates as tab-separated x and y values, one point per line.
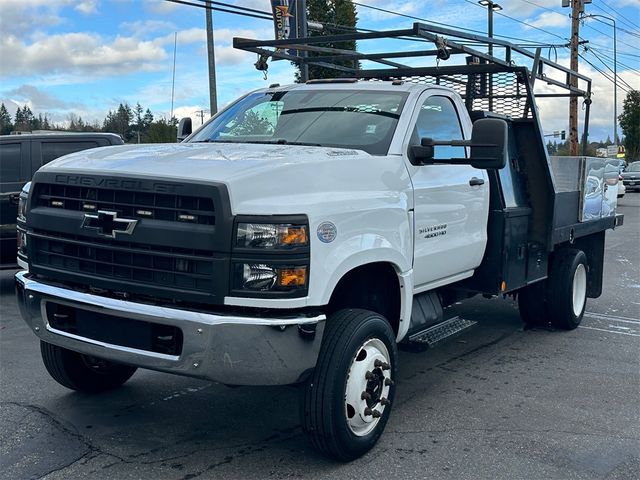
615	73
491	7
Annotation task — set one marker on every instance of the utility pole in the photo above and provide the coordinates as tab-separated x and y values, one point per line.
200	113
213	100
577	6
491	7
301	13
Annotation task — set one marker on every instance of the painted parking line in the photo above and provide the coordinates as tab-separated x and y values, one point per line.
612	317
610	331
603	322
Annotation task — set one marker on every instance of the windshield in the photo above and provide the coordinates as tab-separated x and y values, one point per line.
359	119
634	167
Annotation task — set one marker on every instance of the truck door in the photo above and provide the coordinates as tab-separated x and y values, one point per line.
451	201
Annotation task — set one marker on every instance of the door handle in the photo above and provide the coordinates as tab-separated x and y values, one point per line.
476	181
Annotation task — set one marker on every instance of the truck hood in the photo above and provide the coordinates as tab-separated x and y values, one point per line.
259	177
220	162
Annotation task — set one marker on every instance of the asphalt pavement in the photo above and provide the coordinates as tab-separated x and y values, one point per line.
499	402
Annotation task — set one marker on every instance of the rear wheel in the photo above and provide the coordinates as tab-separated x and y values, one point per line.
561	299
567	294
533	306
347	400
83	372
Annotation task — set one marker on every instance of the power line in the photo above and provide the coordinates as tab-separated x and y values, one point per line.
618	15
608	67
607	35
616	27
519	21
237	7
601	72
224	10
609	59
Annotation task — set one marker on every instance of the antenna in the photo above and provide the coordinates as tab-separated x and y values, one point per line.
173	81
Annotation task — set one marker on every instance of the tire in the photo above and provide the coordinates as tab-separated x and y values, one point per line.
532	304
567	292
358	353
83	372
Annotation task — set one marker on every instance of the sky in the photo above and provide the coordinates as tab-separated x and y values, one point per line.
84	57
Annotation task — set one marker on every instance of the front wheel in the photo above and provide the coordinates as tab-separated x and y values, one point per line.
83	372
347	400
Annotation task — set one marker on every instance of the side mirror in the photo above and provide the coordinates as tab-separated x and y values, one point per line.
184	128
489	147
423	153
489	144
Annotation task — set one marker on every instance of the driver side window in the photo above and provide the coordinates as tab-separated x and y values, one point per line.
438	119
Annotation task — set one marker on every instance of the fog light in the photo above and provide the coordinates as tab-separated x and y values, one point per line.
22	242
258	277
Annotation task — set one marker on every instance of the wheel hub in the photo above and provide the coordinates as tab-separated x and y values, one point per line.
368	385
579	289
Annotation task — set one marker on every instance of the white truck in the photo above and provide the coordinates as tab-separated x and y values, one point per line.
300	235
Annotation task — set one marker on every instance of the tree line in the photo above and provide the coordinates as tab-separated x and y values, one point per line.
134	124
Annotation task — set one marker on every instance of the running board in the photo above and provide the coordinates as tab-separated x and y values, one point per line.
436	334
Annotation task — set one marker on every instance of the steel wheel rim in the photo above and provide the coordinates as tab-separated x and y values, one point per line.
579	289
369	372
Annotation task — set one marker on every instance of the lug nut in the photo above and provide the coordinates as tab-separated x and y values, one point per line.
365	396
368	375
385	401
368	411
388	382
376	414
381	364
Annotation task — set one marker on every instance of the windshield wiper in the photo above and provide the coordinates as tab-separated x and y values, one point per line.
278	141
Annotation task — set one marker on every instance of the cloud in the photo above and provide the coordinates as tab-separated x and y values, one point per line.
549	20
141	27
87	7
37	99
159	7
23	16
79	53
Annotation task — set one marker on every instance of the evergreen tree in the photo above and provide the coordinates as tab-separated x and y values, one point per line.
5	121
630	124
162	131
332	13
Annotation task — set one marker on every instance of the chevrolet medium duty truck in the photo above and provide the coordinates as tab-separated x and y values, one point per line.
306	231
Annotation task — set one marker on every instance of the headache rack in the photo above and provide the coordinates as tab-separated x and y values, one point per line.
486	82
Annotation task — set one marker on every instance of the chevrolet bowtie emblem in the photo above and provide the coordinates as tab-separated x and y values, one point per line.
107	223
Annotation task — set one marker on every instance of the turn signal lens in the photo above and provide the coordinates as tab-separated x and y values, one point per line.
271	235
292	277
292	235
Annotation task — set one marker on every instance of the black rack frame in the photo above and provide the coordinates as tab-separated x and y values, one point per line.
448	42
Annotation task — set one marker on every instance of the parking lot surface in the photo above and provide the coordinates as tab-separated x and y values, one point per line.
499	402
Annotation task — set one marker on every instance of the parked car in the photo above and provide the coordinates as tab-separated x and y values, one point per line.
621	188
631	176
20	157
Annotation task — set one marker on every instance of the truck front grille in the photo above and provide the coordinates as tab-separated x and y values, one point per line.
178	250
164	269
131	204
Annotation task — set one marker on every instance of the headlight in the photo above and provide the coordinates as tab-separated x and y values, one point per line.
271	235
263	277
22	207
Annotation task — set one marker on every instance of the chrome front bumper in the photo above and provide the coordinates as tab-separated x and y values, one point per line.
228	349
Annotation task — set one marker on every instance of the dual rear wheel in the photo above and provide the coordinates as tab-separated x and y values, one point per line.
559	300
